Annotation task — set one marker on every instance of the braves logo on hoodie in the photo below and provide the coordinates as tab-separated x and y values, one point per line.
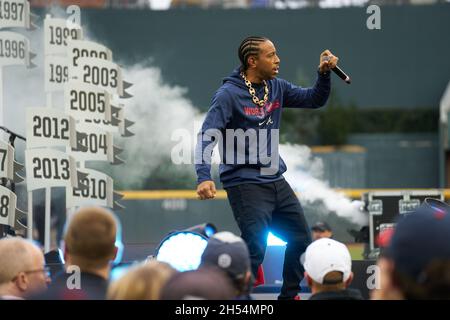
268	108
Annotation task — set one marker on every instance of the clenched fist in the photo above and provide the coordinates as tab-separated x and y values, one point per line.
327	61
206	190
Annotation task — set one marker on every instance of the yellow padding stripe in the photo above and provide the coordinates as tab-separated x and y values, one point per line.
221	194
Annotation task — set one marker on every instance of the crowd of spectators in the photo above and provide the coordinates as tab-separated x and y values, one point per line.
414	264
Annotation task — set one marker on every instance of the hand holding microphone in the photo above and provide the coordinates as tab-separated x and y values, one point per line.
329	62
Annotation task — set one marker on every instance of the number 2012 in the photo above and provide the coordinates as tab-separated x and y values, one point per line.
48	127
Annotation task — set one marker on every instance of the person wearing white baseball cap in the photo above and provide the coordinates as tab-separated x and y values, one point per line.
328	271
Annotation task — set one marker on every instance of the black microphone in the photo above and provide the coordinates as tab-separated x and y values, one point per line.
338	71
341	74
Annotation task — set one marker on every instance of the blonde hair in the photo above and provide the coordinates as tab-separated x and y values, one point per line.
143	282
337	279
16	256
90	238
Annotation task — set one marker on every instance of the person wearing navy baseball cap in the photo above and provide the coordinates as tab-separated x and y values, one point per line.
321	230
416	262
229	253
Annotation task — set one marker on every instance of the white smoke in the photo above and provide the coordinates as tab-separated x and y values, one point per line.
157	110
305	175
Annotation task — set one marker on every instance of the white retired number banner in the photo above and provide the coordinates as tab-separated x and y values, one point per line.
101	73
84	101
57	34
115	121
8	202
47	127
86	49
99	193
15	14
50	168
14	49
6	159
9	167
96	144
56	73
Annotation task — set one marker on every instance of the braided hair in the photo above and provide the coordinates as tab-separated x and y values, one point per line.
249	47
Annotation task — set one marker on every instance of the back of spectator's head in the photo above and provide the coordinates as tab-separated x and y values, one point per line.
328	265
143	282
22	271
229	253
321	230
90	239
202	284
419	252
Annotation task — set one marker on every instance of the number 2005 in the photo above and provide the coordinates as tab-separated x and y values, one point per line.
87	101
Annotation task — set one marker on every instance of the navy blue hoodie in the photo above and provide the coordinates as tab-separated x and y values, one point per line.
232	108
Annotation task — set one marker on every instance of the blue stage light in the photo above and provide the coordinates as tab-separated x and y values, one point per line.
273	241
182	250
118	243
206	229
210	230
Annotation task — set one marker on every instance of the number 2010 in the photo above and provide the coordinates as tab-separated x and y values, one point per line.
96	190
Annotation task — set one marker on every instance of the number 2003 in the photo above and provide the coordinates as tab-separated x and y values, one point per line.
100	76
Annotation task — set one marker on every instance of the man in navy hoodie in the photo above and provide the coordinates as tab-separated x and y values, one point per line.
244	119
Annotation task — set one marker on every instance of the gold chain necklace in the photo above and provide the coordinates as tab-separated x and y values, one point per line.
252	92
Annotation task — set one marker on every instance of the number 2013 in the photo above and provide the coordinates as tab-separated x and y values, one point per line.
51	168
